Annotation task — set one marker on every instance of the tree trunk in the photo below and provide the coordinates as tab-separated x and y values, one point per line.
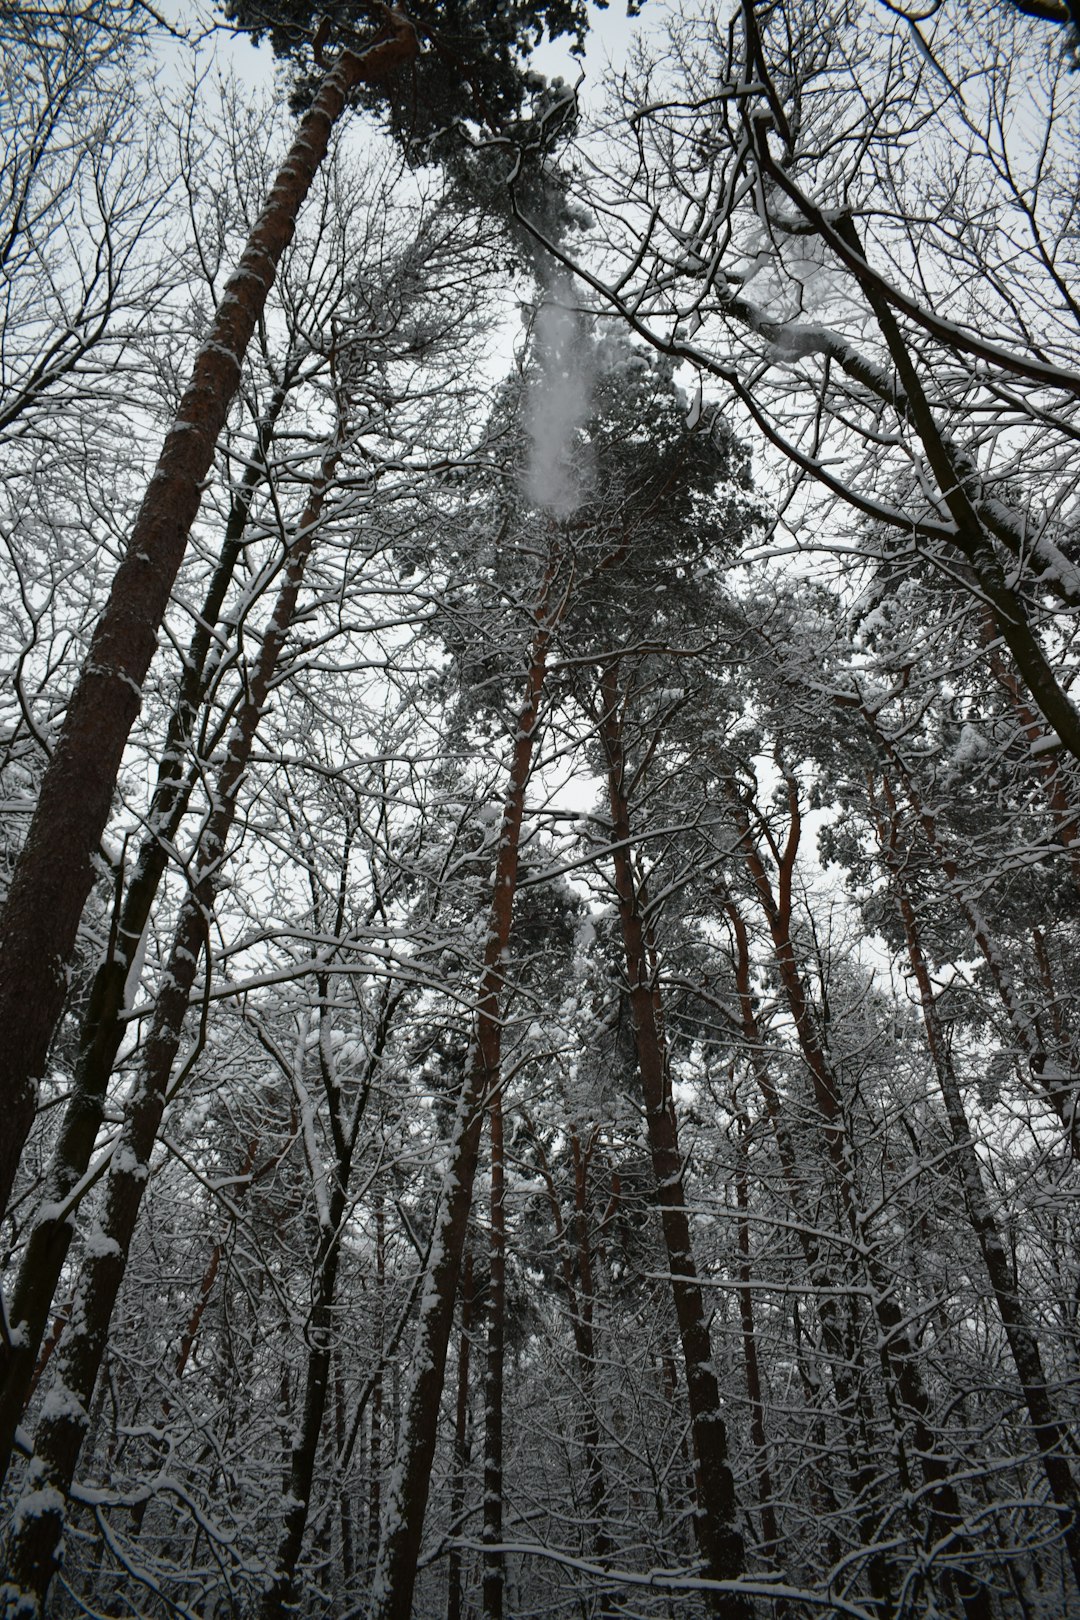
102	1026
1049	1435
399	1548
972	537
579	1299
1047	765
282	1593
581	1304
55	871
345	1512
62	1428
770	1541
718	1541
375	1455
494	1581
454	1594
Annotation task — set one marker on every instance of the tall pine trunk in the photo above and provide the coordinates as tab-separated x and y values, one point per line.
718	1541
61	1431
1049	1434
55	870
103	1025
406	1506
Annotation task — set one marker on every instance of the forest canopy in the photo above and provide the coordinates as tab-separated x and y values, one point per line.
539	810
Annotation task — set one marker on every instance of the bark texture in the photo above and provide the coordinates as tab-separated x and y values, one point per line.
719	1542
55	871
41	1511
403	1525
103	1026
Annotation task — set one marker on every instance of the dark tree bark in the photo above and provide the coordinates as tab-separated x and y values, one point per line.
62	1430
103	1026
719	1542
973	538
403	1525
454	1593
1049	1434
900	1366
55	871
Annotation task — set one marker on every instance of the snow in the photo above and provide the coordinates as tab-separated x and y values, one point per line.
63	1405
100	1247
557	470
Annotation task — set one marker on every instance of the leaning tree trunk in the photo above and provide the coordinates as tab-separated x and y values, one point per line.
1058	1085
103	1025
972	536
53	877
281	1594
403	1525
454	1593
1050	1437
1059	791
494	1578
718	1541
899	1365
36	1535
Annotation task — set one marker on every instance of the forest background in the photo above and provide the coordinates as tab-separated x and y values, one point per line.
540	815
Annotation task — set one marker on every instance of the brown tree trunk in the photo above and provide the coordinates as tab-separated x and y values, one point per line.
494	1580
899	1364
718	1541
102	1026
454	1593
55	870
61	1432
1049	1435
395	1578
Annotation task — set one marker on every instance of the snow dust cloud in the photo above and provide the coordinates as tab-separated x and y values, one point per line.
557	469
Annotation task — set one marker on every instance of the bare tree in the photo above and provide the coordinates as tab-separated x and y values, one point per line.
55	869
